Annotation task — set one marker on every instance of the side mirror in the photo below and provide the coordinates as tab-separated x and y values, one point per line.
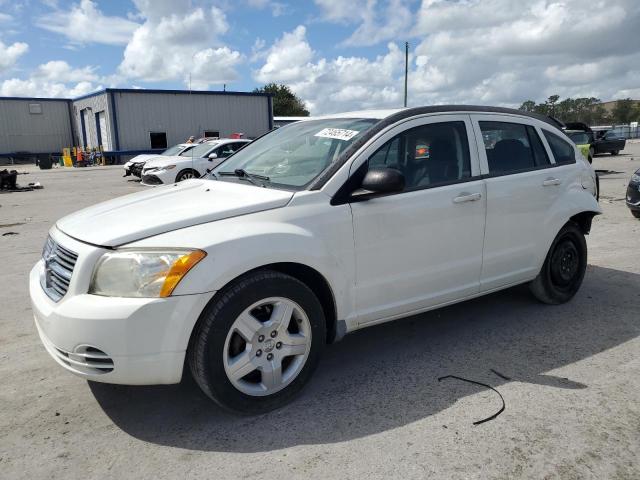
380	181
212	156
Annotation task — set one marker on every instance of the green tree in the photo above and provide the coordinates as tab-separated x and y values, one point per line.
623	111
285	102
528	106
551	104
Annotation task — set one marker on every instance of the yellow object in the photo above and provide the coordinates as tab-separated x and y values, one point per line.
179	269
66	157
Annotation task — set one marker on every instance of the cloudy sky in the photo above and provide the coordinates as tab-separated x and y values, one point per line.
337	55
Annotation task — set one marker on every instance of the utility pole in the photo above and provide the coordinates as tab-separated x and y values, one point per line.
406	70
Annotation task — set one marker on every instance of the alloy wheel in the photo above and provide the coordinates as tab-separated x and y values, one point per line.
267	346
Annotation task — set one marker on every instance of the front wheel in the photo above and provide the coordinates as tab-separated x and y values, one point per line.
563	269
186	175
635	213
257	344
615	152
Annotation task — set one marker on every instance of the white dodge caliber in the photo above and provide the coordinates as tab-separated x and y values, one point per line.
310	232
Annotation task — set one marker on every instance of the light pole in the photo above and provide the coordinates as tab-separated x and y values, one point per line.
406	70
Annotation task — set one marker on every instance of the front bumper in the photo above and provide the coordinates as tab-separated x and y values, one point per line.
633	196
141	341
152	180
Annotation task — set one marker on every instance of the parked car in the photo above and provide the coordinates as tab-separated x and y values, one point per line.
582	141
633	194
601	141
609	142
310	232
192	163
134	166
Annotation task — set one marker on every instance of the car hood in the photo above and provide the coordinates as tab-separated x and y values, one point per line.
164	160
164	209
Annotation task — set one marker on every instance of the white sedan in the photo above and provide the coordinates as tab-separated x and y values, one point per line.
192	163
134	166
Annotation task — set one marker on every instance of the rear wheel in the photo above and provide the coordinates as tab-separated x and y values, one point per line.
635	213
563	269
186	175
258	344
615	152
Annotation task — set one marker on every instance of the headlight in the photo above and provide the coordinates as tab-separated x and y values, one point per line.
635	178
142	273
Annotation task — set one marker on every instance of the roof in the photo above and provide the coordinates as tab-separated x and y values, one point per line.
143	90
393	115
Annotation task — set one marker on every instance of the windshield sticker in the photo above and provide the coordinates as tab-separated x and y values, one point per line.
337	133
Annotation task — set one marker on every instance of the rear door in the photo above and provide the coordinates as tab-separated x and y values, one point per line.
521	188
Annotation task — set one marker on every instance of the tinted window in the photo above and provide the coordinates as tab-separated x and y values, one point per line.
428	155
512	147
562	150
225	150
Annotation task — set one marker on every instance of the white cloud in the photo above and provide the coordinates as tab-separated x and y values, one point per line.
9	54
277	8
376	23
85	23
176	41
340	84
53	79
504	52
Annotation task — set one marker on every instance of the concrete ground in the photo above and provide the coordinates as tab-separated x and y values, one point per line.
375	408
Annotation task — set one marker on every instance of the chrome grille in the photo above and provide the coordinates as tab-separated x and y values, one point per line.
59	263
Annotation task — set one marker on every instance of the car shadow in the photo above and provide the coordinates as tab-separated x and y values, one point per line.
386	376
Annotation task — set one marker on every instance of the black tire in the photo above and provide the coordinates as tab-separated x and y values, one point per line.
635	213
563	269
206	347
186	175
614	152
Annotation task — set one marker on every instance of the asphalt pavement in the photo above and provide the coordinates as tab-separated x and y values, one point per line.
569	376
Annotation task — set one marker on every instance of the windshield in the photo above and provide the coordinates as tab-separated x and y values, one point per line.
175	150
199	150
292	156
579	138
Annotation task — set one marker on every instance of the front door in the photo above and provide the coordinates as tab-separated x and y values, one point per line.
423	246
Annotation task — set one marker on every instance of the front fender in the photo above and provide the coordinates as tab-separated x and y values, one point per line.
237	245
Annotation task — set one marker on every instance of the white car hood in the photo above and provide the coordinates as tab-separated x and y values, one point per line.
142	158
164	160
171	207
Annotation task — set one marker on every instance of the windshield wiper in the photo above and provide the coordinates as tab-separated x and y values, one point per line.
242	173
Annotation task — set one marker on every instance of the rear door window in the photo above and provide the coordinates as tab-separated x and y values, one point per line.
512	147
562	150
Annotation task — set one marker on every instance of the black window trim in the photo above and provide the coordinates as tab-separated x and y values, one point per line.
343	195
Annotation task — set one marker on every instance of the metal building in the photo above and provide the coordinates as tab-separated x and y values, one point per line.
137	119
129	121
34	125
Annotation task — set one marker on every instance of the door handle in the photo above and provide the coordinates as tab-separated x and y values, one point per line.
467	197
551	181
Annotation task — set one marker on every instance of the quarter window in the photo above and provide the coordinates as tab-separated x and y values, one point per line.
428	155
562	151
512	147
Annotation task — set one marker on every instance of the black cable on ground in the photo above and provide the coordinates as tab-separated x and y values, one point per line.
482	385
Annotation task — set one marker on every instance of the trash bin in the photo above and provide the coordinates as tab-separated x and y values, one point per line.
45	163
